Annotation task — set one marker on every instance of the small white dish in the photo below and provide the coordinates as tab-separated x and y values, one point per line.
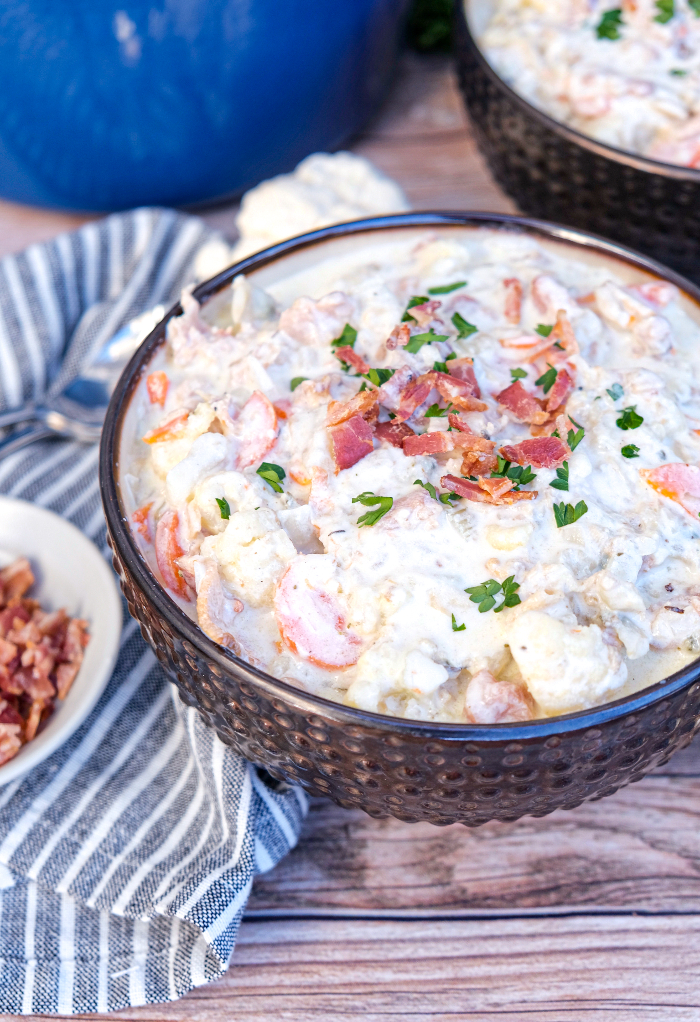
70	573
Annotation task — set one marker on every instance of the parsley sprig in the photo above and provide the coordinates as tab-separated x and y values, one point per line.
463	328
615	392
543	330
630	451
567	514
609	25
666	11
224	507
546	380
441	367
416	300
347	338
445	289
378	376
520	474
695	6
630	418
436	412
367	499
456	627
294	383
573	439
485	594
443	498
562	480
518	374
272	474
418	340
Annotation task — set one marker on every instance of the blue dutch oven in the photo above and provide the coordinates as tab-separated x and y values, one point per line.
107	104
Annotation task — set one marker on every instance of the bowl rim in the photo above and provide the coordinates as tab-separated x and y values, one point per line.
274	688
621	156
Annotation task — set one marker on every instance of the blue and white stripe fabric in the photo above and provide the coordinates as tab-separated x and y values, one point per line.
127	857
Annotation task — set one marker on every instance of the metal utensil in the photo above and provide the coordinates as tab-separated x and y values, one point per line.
79	409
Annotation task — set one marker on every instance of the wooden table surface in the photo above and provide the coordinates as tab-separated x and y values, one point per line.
592	914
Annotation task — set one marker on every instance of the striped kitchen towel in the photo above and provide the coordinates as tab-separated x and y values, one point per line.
127	857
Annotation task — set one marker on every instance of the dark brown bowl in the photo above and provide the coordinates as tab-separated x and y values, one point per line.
442	773
554	172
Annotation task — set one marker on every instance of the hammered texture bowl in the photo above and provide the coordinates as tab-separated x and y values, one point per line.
556	173
440	773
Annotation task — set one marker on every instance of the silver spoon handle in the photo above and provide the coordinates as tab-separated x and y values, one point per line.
14	415
16	441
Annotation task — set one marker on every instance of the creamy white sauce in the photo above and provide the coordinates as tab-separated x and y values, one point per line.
639	91
592	623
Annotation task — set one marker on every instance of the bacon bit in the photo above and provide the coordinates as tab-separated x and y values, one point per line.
561	388
457	422
521	404
282	408
472	442
477	463
15	580
362	403
463	369
496	487
562	333
414	394
428	443
514	299
522	341
425	313
588	299
351	357
173	429
472	491
399	337
257	429
658	292
489	701
393	432
390	392
168	550
458	392
140	520
350	441
540	452
299	473
678	481
157	386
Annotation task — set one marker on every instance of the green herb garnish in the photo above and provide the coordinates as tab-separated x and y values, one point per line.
455	626
630	418
347	338
416	300
443	498
436	412
567	514
446	288
441	367
666	11
630	451
485	594
224	507
543	330
562	480
615	392
272	474
574	439
678	71
695	6
518	374
546	380
609	25
418	340
367	499
520	474
378	376
296	381
463	328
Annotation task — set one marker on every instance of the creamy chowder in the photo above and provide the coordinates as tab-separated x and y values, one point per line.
447	475
626	74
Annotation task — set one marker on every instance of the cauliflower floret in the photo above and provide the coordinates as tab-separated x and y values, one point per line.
165	454
253	552
565	668
207	453
671	625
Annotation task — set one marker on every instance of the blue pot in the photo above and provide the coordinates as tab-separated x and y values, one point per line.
105	105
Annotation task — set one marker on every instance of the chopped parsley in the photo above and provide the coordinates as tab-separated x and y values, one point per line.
272	474
441	367
615	392
485	594
518	374
630	451
446	288
609	25
630	418
378	376
695	6
224	507
463	328
347	338
367	499
443	498
562	480
456	627
296	381
543	330
520	474
574	439
666	11
567	514
546	380
678	71
418	340
416	300
436	412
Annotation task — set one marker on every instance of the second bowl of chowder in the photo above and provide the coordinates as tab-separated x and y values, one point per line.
427	482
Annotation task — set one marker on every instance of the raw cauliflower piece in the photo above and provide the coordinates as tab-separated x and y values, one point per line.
253	552
565	668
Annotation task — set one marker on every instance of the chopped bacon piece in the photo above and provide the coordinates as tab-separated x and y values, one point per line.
478	463
472	491
140	518
350	441
390	392
173	429
549	294
399	337
425	313
457	422
523	406
561	388
157	386
678	481
362	403
658	292
15	579
496	487
257	429
458	392
428	443
463	369
168	550
393	432
563	334
489	701
283	408
472	442
540	452
523	342
514	299
414	394
351	357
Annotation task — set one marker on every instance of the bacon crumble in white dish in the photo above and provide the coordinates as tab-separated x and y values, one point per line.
442	475
625	74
